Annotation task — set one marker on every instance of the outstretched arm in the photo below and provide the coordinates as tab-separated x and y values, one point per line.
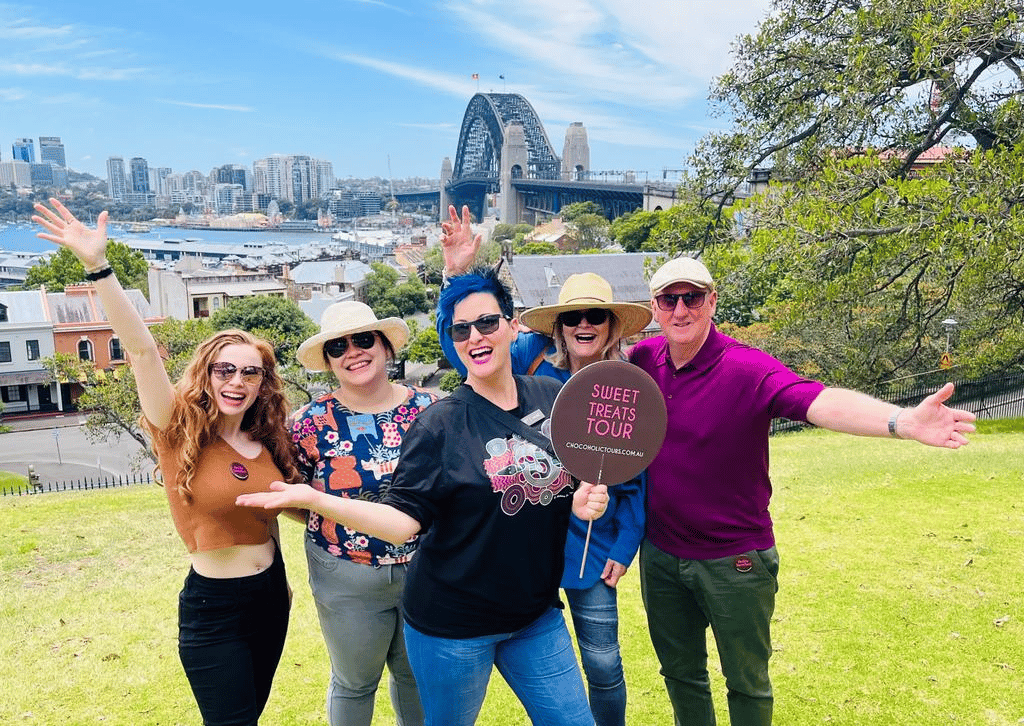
459	245
931	422
89	245
373	518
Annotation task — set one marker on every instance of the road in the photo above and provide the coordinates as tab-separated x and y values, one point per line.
59	451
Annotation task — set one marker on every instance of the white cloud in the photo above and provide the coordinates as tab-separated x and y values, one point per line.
19	31
12	94
95	73
213	106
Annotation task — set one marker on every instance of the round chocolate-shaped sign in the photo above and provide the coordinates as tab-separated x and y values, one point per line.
608	422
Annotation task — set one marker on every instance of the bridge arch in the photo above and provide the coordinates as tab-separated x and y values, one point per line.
483	133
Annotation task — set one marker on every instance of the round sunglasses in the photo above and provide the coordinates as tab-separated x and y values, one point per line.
225	371
336	347
572	318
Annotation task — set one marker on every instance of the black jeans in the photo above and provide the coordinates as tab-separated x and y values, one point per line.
230	636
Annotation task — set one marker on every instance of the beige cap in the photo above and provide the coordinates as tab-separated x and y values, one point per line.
681	269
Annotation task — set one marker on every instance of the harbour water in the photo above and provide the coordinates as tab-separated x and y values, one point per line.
21	236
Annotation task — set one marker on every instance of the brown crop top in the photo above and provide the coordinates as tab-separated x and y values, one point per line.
212	520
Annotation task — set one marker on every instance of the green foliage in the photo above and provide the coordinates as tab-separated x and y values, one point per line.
390	299
571	212
63	268
633	229
450	381
857	250
538	248
424	347
277	319
503	231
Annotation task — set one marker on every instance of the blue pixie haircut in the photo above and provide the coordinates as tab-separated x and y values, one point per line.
479	279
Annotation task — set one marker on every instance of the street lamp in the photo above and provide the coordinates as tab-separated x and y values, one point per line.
950	325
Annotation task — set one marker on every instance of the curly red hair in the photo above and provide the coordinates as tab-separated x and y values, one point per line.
195	417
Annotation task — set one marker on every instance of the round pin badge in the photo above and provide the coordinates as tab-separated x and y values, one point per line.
744	564
239	471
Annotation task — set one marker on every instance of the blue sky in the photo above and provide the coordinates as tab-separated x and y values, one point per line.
356	82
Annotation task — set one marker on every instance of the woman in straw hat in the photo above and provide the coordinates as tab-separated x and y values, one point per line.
585	325
347	443
479	480
219	432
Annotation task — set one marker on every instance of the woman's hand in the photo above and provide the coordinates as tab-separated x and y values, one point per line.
590	501
63	228
280	496
458	243
612	572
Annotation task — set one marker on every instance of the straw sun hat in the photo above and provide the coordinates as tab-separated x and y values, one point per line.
346	318
580	292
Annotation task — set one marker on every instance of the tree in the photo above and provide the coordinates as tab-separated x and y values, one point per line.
587	232
62	269
893	134
538	248
390	299
424	346
633	229
571	212
277	319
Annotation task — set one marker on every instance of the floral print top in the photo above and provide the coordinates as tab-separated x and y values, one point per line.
352	455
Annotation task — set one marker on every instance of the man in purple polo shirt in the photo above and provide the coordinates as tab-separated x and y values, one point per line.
709	556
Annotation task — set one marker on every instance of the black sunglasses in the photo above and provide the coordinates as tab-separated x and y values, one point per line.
594	316
337	346
486	324
226	371
668	300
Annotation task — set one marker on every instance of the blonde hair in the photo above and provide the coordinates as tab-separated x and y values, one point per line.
612	349
195	417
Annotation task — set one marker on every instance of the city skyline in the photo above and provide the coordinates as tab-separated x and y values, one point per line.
364	84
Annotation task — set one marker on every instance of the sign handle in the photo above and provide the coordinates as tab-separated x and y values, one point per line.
590	524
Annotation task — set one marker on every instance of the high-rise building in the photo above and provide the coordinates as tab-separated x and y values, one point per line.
157	180
24	150
117	180
51	149
138	170
47	175
268	176
16	172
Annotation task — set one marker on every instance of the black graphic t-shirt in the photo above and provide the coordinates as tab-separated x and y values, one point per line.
494	511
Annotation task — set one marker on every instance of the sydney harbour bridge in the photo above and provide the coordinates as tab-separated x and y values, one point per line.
503	149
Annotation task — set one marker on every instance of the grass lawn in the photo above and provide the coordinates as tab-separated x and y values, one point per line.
900	601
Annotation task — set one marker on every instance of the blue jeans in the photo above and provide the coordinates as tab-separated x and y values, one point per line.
595	618
361	621
231	634
735	596
537	662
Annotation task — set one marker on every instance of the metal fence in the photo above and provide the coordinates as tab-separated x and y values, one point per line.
997	396
76	485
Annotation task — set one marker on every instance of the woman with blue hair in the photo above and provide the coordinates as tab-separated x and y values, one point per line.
479	482
585	325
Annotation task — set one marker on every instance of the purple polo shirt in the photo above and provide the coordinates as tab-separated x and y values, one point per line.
708	488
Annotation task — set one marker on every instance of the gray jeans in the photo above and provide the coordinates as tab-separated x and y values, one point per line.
362	626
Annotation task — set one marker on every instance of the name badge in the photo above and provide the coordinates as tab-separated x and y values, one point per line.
531	418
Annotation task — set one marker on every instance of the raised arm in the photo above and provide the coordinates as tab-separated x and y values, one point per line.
459	245
156	394
931	422
373	518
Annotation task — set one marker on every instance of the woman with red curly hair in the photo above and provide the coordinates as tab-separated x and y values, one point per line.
220	432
